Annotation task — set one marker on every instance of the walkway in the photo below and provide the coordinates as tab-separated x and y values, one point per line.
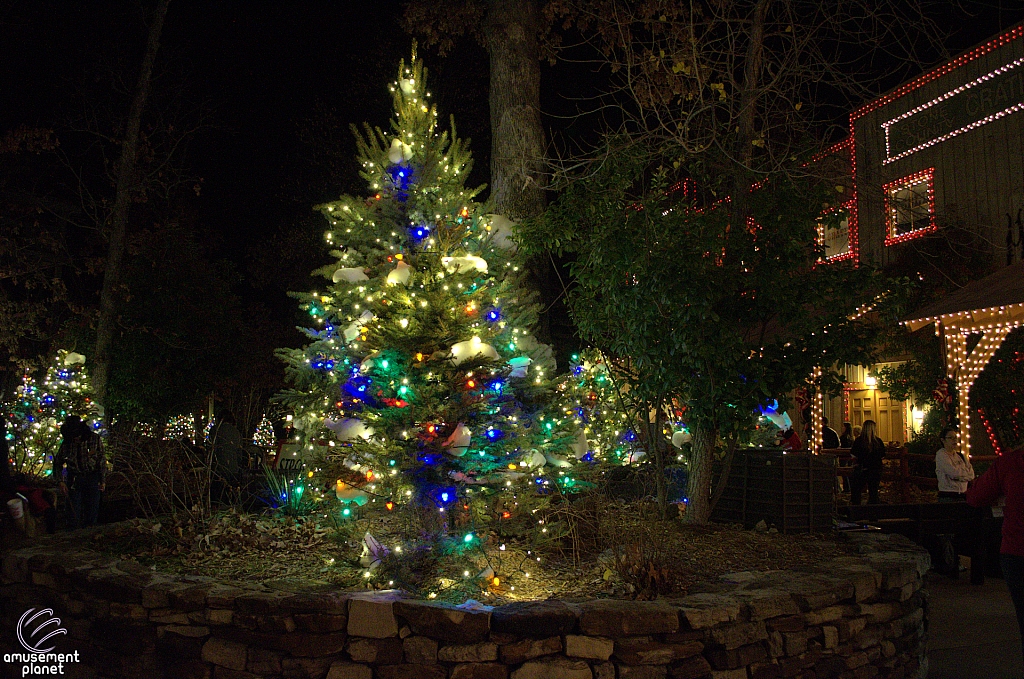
972	631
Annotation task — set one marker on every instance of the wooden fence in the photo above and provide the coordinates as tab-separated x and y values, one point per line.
906	472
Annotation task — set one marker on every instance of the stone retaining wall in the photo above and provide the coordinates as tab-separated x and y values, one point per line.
854	617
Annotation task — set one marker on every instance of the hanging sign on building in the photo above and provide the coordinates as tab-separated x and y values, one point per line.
960	110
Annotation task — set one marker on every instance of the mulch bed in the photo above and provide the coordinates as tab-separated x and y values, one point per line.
641	558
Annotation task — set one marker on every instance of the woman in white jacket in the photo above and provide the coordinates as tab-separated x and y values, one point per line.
952	469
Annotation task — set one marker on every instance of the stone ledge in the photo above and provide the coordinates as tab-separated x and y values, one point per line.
862	614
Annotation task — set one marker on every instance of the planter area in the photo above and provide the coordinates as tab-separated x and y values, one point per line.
854	617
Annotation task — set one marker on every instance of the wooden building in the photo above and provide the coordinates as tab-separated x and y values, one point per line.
942	151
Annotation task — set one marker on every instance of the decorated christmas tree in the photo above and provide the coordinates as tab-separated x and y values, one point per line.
37	411
609	424
422	385
264	435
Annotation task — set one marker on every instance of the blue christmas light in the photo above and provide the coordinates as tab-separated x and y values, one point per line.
496	386
419	232
402	178
494	434
63	374
443	495
322	363
493	315
359	387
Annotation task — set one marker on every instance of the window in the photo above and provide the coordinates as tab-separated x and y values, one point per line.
835	233
910	207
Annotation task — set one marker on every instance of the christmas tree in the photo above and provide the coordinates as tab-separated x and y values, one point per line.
37	411
421	379
264	435
610	425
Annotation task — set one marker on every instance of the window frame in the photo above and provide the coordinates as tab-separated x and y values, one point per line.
850	207
923	177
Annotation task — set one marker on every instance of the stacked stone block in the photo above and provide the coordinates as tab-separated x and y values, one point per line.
855	617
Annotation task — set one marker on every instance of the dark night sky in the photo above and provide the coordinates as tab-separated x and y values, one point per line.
263	67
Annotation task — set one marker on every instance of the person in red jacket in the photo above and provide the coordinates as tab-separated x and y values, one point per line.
1006	478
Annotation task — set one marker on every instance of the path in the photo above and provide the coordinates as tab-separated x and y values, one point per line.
972	631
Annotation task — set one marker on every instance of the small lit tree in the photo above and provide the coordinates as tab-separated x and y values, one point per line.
38	409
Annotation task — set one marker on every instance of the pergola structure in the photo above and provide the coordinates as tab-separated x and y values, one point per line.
991	307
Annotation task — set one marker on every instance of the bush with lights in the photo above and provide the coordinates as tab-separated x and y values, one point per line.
37	410
421	384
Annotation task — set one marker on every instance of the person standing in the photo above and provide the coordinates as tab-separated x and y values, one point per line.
952	469
868	452
1006	478
846	437
227	451
85	478
829	437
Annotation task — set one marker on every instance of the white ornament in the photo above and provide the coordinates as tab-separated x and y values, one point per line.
399	152
352	331
680	437
536	460
373	553
464	264
408	85
347	493
458	442
520	365
471	348
72	358
349	275
556	461
635	456
580	446
349	428
502	229
400	274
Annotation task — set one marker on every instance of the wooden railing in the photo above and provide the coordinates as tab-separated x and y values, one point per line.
901	475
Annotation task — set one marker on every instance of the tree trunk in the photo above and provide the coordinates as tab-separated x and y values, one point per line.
517	136
656	444
698	483
117	230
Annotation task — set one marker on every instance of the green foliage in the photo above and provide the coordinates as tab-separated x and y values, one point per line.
287	495
721	317
717	308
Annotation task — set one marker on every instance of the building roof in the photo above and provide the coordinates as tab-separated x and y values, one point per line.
939	71
977	302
